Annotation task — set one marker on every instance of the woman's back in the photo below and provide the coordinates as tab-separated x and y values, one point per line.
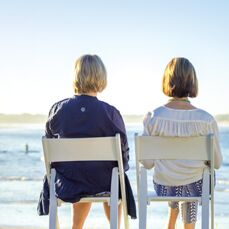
79	117
168	121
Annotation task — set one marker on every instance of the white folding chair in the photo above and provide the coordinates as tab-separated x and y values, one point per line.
87	149
174	148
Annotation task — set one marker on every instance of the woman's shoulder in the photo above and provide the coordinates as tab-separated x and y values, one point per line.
152	114
112	115
57	106
203	114
160	111
164	112
108	107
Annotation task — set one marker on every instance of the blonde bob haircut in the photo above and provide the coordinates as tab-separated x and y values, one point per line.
180	79
90	74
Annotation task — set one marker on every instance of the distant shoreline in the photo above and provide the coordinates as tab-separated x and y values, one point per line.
22	118
40	118
222	119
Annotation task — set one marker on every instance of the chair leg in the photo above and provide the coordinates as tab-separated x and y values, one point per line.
114	200
212	199
205	200
143	199
57	222
53	203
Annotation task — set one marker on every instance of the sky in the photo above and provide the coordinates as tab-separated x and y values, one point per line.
40	41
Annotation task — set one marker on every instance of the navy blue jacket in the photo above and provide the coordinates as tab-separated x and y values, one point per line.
79	117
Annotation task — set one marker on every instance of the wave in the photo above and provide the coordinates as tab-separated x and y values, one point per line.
226	190
226	164
4	201
3	151
19	151
23	178
223	182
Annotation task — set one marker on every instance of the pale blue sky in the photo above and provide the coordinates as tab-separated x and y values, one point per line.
40	40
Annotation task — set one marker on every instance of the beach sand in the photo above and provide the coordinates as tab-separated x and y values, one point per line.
17	227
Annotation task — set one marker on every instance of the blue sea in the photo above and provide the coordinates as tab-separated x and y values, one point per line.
21	175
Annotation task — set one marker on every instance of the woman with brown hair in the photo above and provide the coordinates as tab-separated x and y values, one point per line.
178	117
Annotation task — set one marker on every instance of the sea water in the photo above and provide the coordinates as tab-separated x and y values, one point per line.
21	175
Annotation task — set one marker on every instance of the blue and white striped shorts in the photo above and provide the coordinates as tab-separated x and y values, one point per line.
188	209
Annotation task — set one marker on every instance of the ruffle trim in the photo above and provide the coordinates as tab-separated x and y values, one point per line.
178	128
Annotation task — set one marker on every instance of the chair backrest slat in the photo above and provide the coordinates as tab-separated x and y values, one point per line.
80	149
173	148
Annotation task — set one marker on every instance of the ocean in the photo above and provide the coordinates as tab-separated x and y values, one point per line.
21	177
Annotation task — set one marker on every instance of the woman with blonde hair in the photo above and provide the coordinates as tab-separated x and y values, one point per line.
178	117
84	115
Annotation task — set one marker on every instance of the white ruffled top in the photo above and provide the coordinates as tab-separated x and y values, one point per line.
175	122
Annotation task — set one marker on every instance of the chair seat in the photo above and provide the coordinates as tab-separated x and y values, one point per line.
152	196
96	199
91	199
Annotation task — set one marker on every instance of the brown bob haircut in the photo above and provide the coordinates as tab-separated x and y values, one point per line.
179	79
